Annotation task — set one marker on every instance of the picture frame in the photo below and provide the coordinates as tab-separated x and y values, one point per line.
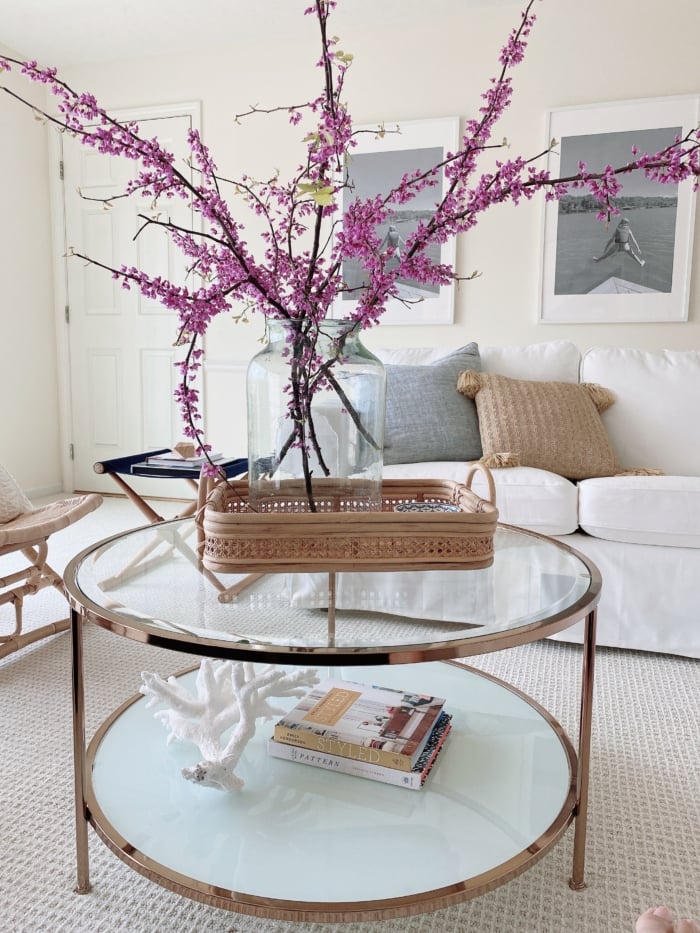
376	165
597	273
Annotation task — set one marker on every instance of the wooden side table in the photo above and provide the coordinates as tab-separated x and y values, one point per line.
136	465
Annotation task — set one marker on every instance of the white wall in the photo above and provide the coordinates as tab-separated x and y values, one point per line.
29	440
438	66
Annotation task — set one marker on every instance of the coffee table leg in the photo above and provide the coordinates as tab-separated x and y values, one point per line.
81	818
576	882
331	608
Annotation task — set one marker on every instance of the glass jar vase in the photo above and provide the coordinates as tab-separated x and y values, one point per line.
316	406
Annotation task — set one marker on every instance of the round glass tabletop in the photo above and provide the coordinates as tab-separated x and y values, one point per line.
148	584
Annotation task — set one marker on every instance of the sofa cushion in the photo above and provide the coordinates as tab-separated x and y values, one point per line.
533	499
554	426
556	360
426	417
550	359
642	509
652	423
412	356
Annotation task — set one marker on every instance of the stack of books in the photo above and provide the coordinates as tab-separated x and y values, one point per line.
372	732
164	464
172	458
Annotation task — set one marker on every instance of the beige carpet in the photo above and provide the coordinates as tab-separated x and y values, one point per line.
644	826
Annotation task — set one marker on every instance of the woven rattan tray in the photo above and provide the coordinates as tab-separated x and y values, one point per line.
235	539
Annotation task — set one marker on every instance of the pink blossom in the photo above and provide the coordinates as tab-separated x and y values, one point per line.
295	270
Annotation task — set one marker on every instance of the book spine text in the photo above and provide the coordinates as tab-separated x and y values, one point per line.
300	738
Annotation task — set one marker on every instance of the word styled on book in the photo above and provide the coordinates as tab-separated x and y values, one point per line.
378	724
413	779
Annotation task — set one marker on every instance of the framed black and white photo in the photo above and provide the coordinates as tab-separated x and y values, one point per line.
377	164
635	268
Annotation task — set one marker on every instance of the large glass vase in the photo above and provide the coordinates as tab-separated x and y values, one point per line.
316	406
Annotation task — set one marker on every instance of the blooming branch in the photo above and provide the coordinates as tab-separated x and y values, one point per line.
295	272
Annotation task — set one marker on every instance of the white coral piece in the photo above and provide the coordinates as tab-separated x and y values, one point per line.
228	693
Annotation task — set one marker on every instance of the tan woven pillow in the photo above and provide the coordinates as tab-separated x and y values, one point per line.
555	426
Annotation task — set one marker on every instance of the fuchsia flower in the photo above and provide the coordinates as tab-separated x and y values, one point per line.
296	272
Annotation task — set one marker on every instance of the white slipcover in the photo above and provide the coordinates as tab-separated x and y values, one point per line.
662	510
649	599
654	421
642	532
527	497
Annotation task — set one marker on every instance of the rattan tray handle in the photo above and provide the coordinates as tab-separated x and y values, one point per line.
474	468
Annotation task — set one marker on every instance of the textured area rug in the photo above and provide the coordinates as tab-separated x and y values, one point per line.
644	820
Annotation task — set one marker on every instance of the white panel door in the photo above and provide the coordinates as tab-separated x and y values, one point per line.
122	375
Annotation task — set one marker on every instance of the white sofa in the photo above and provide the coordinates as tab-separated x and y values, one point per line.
642	531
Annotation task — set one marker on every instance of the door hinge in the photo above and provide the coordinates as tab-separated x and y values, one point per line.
71	452
60	169
67	313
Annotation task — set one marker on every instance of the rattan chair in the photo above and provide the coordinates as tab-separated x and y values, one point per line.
24	531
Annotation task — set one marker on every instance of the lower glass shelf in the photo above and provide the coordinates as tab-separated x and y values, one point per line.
302	843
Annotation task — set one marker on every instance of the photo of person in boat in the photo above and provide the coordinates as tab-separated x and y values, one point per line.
392	241
646	214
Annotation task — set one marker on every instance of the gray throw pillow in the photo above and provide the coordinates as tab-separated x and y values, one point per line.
427	419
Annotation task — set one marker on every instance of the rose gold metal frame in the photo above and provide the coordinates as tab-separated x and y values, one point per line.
334	912
575	809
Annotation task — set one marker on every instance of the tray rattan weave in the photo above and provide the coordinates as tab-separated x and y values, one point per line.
292	539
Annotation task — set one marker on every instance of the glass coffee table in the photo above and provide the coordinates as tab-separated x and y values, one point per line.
298	842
